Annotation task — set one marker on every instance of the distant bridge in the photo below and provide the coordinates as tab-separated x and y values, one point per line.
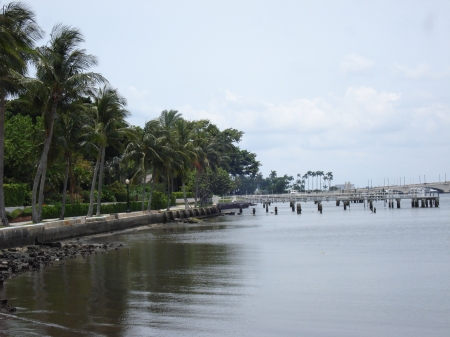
441	187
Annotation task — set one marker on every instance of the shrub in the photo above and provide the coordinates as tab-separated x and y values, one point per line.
179	195
15	194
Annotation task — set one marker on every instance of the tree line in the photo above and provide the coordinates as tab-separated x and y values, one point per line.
64	131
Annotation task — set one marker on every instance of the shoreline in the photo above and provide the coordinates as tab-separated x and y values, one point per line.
58	230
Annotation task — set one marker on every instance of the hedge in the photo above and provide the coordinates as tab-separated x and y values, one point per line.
15	194
179	195
159	201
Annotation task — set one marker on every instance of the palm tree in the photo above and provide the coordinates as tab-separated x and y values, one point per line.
143	150
305	176
110	114
18	32
309	174
330	178
61	72
171	156
210	152
185	132
319	174
313	174
69	133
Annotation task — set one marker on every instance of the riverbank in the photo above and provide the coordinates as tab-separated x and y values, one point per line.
57	230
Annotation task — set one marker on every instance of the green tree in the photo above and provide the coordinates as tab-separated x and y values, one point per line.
18	33
60	74
109	124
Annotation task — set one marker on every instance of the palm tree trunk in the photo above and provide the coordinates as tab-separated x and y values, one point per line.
184	195
149	206
66	178
3	217
196	188
144	177
41	171
94	180
41	191
168	192
100	180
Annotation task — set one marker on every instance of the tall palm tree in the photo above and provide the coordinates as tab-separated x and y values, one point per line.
185	132
171	155
320	174
143	150
110	114
330	178
69	138
305	176
313	175
210	152
60	71
310	174
18	33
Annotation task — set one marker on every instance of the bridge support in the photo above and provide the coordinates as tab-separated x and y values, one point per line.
398	203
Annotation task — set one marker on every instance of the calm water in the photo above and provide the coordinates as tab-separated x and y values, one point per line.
340	273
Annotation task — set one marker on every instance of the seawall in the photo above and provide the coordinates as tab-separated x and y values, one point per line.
26	235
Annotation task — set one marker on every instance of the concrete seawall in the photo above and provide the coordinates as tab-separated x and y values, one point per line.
17	236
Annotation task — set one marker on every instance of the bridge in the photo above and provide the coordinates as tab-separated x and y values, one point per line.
441	187
419	196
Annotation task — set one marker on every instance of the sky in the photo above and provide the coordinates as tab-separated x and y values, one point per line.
357	88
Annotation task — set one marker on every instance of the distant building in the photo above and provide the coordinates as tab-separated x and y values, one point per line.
346	186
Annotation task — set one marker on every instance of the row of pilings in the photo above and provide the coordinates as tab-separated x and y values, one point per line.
424	202
188	213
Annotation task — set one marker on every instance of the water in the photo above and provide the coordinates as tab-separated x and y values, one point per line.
340	273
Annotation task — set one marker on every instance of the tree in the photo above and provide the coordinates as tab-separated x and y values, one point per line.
110	114
330	177
18	32
69	131
188	153
61	74
211	182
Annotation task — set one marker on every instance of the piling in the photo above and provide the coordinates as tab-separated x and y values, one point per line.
338	202
276	210
267	208
398	203
299	208
254	211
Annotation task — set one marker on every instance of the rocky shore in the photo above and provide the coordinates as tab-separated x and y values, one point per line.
16	260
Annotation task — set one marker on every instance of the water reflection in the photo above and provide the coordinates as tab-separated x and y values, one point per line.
150	286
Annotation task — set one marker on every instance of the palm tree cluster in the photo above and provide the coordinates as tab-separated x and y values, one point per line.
81	120
318	175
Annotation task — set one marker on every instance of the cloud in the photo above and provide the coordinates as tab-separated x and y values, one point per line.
138	93
421	71
361	117
355	64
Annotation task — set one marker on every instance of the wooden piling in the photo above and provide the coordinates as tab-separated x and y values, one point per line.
276	210
254	211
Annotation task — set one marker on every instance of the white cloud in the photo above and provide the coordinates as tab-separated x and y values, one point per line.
361	118
356	64
421	71
138	93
